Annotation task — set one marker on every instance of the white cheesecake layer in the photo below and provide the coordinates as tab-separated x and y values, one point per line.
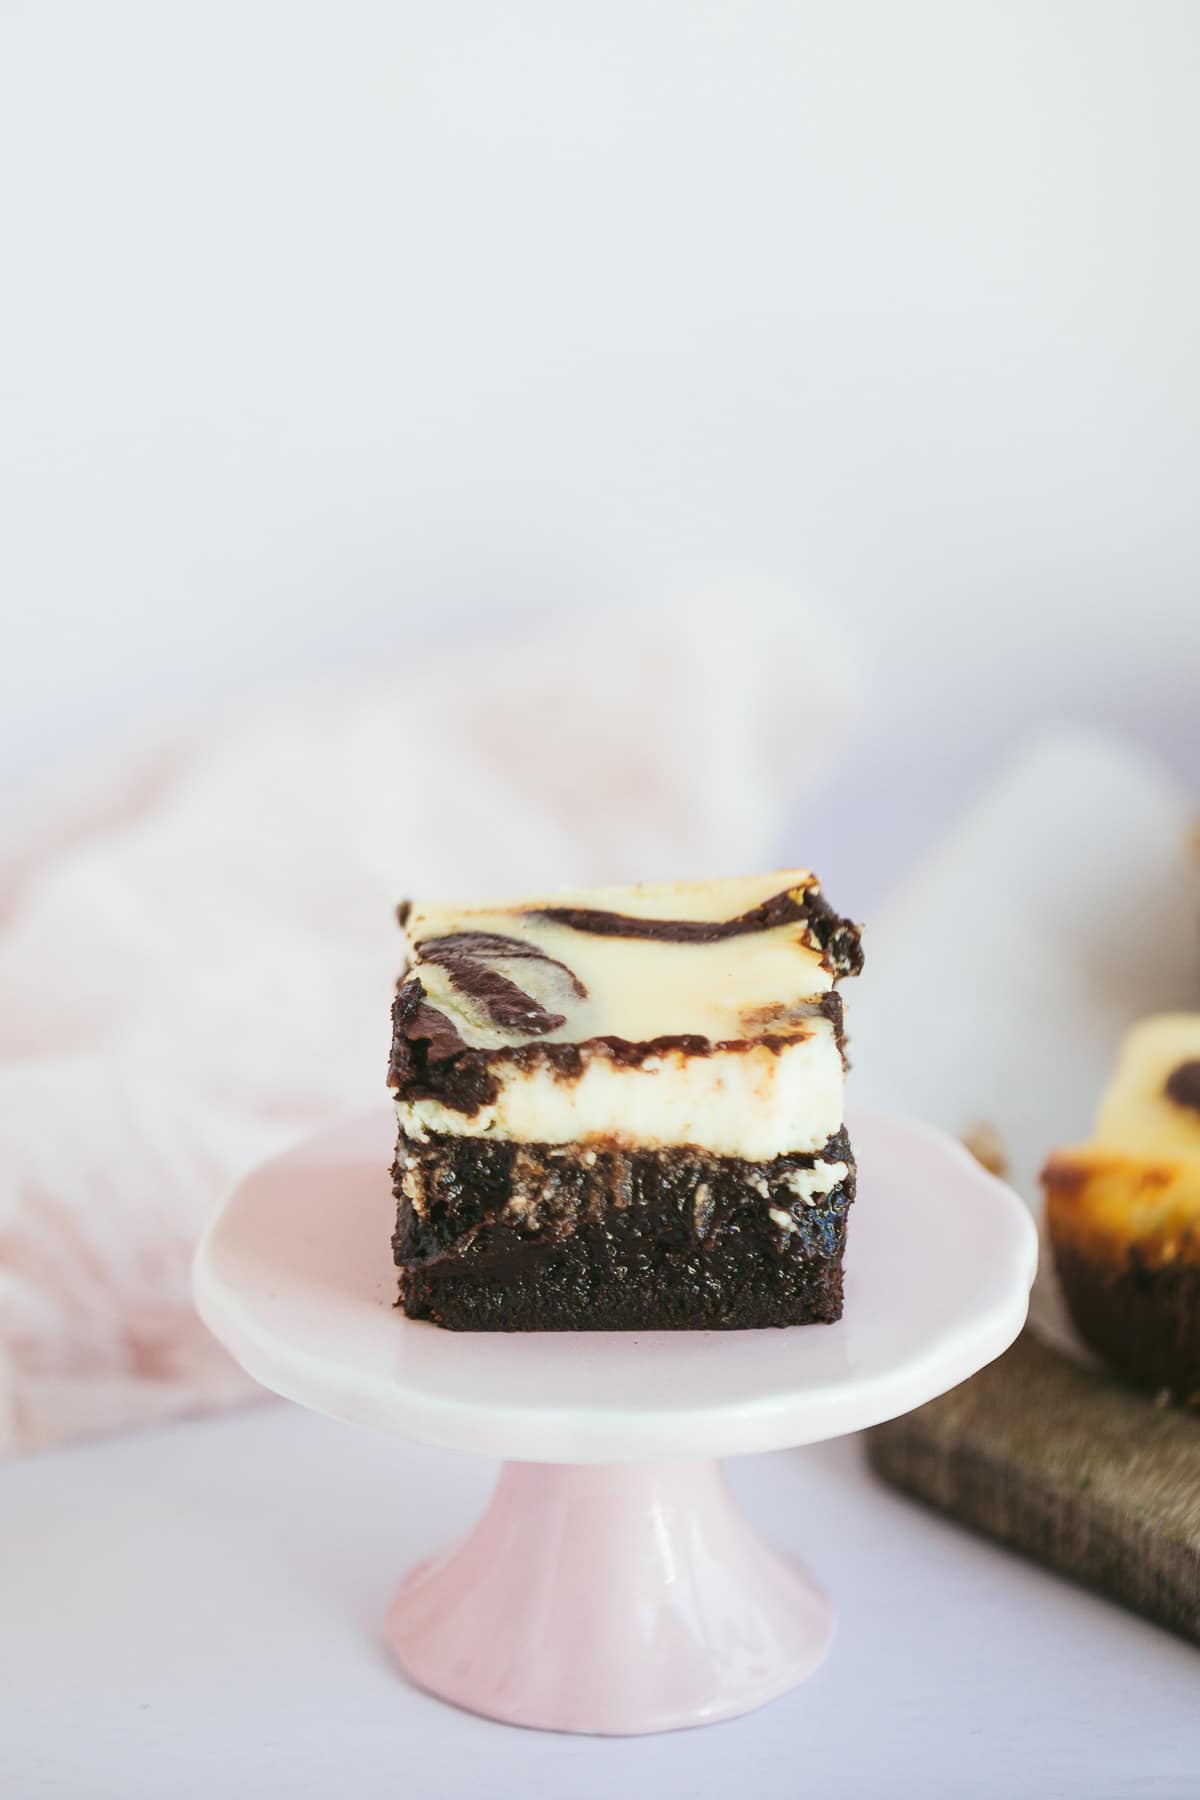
633	988
755	1101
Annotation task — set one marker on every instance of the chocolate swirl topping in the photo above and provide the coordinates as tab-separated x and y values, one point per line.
464	978
429	1053
1183	1085
837	938
429	1057
468	958
781	909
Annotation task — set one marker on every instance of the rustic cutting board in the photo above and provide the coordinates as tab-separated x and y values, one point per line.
1068	1466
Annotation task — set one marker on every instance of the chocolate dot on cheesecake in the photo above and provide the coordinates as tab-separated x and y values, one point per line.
1183	1085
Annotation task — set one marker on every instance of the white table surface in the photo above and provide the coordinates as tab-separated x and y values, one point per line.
195	1612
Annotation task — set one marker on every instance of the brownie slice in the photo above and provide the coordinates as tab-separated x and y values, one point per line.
621	1110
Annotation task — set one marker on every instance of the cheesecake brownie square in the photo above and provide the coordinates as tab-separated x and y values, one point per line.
621	1110
1123	1213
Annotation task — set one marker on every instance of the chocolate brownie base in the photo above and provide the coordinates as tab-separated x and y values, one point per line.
590	1286
1144	1321
495	1236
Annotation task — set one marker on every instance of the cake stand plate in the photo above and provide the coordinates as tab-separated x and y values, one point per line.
612	1584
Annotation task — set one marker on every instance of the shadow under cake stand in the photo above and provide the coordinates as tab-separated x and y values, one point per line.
613	1585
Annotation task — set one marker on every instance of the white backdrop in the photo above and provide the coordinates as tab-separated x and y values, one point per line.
327	330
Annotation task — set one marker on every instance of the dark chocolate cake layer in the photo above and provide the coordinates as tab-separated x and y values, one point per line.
497	1236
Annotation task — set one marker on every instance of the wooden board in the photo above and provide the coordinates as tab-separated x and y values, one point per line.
1068	1466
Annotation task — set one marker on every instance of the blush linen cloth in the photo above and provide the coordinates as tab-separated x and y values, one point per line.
197	944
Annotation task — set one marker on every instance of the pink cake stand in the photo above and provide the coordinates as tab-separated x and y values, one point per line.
612	1585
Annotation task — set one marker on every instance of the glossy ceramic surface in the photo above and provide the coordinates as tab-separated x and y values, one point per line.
617	1599
295	1276
612	1585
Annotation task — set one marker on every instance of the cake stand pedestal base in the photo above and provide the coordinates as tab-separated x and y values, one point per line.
615	1598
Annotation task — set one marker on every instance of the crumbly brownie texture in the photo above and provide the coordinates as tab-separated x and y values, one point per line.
1123	1213
497	1236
